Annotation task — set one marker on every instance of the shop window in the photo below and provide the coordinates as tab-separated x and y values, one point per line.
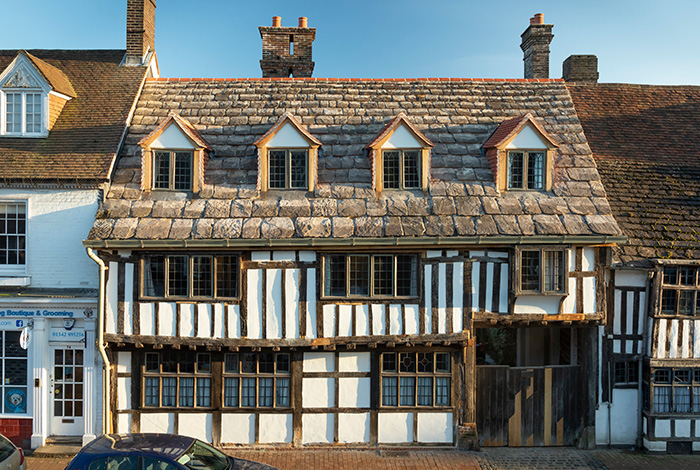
365	275
411	379
190	276
675	391
679	291
177	379
257	380
541	270
13	389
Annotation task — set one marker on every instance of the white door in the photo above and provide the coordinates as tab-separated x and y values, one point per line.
67	391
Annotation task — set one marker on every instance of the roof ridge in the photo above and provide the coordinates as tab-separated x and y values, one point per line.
333	79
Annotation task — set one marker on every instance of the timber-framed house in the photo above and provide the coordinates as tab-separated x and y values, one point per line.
309	261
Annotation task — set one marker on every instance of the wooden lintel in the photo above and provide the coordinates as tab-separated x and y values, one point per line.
213	347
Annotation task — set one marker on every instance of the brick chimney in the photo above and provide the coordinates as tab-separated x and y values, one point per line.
535	46
580	68
140	30
287	50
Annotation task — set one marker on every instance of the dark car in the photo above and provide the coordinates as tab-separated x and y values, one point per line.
155	452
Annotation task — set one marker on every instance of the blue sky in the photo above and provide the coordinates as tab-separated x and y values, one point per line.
642	41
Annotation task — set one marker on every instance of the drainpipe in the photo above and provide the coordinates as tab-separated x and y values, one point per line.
640	380
100	341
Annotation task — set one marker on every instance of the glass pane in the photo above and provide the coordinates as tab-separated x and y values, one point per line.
67	408
152	363
13	112
407	275
15	372
669	299
227	276
183	171
266	364
68	357
391	169
187	391
276	169
152	391
79	357
535	170
169	391
696	399
389	391
33	112
15	399
383	274
187	362
298	176
57	357
407	362
248	392
681	376
78	408
359	275
154	276
687	276
515	170
150	463
442	391
202	282
78	391
57	408
425	391
231	363
282	391
283	363
442	362
231	391
335	275
178	268
203	363
12	347
411	169
662	399
203	392
620	372
686	302
530	270
681	399
553	272
408	391
161	170
671	275
68	392
425	362
389	362
248	364
265	391
170	361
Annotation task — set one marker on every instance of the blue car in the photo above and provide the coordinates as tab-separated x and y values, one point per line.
156	452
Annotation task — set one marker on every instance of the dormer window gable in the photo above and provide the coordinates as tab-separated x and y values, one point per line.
32	95
174	156
400	157
287	157
521	154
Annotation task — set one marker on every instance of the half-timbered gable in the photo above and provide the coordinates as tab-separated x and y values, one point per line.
643	141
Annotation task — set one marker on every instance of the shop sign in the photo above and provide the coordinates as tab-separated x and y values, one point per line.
12	324
61	334
46	312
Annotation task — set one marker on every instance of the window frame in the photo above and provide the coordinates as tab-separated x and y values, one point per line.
275	375
402	172
526	168
190	276
24	92
434	375
371	285
288	168
178	375
19	269
172	169
692	384
542	250
677	289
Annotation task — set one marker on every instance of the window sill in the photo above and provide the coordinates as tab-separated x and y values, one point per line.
14	281
25	136
548	294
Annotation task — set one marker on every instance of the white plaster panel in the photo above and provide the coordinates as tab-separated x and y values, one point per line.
476	270
275	428
673	350
662	428
570	300
283	255
630	278
111	288
696	340
428	298
527	139
329	321
237	428
148	324
260	256
617	348
163	423
344	320
395	428
123	393
255	293
234	322
311	303
435	427
362	320
186	320
494	254
685	340
589	292
318	392
353	392
617	320
548	305
219	327
588	259
319	362
457	296
353	427
624	409
682	428
287	136
124	422
317	428
307	256
402	138
378	326
129	299
442	298
661	344
274	305
503	299
203	320
124	362
354	362
411	319
433	254
696	446
572	259
172	138
477	253
654	446
451	253
642	313
488	306
395	320
291	299
166	319
197	425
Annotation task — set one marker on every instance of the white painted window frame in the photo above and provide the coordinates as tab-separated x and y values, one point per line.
10	272
44	90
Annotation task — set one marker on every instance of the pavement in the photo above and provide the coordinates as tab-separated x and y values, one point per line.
415	459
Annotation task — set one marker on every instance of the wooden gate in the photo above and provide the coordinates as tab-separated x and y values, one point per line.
528	406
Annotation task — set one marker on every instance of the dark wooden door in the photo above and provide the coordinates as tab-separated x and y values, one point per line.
528	406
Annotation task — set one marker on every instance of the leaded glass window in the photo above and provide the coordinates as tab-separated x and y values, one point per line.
177	379
173	170
401	169
411	379
526	170
190	276
366	275
680	291
288	168
264	380
541	270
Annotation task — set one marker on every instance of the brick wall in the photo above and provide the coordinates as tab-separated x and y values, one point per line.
580	68
19	431
276	59
140	27
535	46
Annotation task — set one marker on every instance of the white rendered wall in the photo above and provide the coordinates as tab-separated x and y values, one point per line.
58	222
624	409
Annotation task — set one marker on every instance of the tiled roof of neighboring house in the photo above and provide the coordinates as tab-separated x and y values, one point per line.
645	139
83	142
458	116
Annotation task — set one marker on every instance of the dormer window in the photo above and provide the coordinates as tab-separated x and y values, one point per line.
400	157
174	157
287	157
521	154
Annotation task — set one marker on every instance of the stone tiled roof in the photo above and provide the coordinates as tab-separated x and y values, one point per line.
645	141
458	116
82	145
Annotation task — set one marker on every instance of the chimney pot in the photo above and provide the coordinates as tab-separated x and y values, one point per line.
276	21
303	22
537	19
